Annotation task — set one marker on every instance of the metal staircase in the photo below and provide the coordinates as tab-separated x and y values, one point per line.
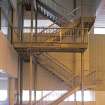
52	15
70	92
72	36
47	12
60	96
74	86
49	63
77	86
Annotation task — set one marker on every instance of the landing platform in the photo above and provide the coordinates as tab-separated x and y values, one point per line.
51	47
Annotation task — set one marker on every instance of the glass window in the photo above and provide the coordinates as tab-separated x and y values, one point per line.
88	96
4	97
41	23
5	16
99	30
54	95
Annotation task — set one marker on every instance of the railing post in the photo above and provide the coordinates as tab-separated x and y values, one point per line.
60	35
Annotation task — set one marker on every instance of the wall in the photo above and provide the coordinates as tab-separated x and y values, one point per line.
45	79
100	97
64	58
8	57
85	61
97	59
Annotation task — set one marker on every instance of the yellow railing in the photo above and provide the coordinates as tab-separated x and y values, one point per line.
53	35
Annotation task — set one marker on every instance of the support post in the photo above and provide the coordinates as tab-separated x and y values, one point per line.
35	80
60	35
74	71
21	80
20	19
30	81
74	6
11	91
36	14
32	28
82	78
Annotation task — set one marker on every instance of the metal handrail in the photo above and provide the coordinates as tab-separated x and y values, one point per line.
52	28
91	76
48	27
47	8
64	68
50	36
50	67
38	102
61	77
59	63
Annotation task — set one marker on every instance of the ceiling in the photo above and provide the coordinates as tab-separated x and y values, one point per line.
100	15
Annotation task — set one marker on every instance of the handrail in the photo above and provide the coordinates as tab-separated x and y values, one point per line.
38	102
53	28
47	8
51	36
61	77
69	14
90	76
74	89
47	27
91	73
72	82
61	64
64	96
58	64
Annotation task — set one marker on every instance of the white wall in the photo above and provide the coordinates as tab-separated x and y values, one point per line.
100	97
